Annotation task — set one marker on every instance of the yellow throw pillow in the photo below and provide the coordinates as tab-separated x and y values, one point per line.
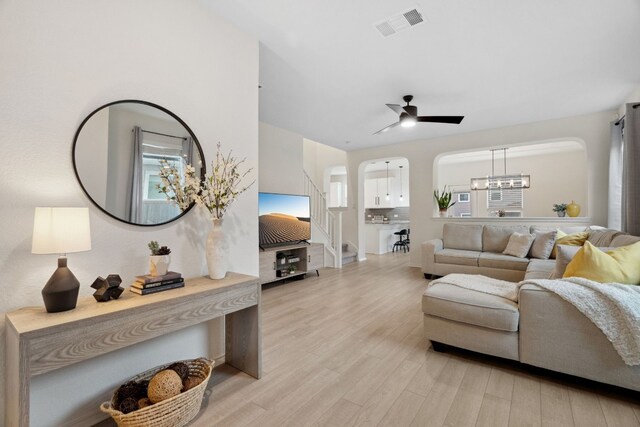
575	239
621	265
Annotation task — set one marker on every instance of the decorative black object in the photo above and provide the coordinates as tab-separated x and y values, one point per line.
61	291
127	110
128	405
107	288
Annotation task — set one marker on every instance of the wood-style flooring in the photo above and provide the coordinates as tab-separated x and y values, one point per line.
346	349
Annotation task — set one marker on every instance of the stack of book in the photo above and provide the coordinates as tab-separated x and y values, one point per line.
148	284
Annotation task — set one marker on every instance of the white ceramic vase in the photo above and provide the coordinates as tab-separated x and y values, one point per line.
217	250
159	264
443	213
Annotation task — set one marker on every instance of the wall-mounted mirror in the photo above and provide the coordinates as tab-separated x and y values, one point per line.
116	156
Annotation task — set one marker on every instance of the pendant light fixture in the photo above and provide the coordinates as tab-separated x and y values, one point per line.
387	162
494	182
401	197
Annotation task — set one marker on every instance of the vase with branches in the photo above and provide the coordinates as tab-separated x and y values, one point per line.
216	192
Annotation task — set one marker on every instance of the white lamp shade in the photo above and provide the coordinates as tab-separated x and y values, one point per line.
61	231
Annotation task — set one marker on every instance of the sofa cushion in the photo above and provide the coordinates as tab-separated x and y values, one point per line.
471	307
543	244
519	245
540	269
457	257
462	236
508	262
624	240
602	237
495	237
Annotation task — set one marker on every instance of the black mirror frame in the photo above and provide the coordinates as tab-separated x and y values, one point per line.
150	104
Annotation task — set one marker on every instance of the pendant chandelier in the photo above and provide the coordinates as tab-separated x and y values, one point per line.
505	181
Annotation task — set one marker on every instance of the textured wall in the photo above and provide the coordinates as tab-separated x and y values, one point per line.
62	59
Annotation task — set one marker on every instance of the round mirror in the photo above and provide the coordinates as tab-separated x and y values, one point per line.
116	156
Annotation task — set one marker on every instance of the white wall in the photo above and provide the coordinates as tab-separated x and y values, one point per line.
593	129
555	178
633	97
318	161
60	61
280	160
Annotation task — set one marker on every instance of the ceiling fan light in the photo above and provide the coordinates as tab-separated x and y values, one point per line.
408	122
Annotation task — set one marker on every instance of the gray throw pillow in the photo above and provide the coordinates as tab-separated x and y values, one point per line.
543	244
519	244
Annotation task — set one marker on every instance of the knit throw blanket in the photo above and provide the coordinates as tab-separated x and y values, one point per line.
479	283
614	308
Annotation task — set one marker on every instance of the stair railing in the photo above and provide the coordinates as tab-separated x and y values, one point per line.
328	222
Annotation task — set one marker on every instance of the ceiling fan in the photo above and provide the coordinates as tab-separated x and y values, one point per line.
409	116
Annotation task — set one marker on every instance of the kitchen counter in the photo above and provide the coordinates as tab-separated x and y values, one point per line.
379	238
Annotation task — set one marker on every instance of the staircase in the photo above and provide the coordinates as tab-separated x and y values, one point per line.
327	221
348	254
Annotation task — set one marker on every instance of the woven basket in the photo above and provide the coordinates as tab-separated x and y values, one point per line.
173	412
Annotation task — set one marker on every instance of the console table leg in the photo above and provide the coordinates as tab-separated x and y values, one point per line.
16	380
244	341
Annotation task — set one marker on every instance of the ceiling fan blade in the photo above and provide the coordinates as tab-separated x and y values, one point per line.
395	107
391	126
440	119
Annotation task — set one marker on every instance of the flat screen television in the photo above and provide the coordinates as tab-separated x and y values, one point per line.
283	218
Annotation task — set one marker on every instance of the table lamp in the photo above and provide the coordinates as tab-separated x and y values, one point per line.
61	231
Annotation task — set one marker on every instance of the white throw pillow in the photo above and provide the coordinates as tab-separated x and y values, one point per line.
519	244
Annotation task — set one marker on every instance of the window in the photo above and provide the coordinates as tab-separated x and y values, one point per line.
151	173
464	197
504	198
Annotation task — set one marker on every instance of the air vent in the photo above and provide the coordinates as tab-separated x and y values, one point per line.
399	22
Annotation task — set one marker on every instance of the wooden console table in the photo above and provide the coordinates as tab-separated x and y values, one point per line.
39	342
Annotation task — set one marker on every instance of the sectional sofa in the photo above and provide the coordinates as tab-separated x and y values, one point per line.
541	329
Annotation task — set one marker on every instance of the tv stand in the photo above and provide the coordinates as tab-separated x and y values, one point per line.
296	260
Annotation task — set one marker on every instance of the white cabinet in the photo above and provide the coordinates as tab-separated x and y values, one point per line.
375	193
379	238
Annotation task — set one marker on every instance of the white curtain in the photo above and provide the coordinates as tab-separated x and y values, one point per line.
615	176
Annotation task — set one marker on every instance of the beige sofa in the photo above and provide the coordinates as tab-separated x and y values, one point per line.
477	249
541	329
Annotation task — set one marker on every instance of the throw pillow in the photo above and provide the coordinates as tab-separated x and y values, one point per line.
621	265
543	245
574	239
519	244
565	254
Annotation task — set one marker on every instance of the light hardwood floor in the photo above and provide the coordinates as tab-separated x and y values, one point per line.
346	348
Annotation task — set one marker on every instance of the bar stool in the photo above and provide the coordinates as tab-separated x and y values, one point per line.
402	242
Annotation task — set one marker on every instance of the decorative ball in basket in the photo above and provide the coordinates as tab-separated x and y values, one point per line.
165	396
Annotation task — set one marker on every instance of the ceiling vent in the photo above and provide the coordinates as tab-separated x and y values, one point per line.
399	22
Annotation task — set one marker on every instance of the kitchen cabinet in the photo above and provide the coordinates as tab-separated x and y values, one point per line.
375	193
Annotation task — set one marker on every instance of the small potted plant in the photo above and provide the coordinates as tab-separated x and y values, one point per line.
560	209
159	260
444	201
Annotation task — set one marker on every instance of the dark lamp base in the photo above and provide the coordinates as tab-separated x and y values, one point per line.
61	291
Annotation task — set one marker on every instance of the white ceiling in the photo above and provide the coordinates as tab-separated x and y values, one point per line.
326	72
